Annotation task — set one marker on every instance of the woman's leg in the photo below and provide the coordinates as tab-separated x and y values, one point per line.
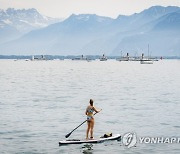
88	128
92	127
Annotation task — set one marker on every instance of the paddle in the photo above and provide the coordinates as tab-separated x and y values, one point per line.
77	127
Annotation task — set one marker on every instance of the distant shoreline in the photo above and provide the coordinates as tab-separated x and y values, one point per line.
51	57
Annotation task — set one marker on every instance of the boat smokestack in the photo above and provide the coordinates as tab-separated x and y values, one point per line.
142	55
127	56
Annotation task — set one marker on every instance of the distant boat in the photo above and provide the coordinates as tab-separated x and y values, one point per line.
42	57
127	58
103	58
81	58
123	58
147	60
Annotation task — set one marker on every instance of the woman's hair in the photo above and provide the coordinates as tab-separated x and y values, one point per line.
91	102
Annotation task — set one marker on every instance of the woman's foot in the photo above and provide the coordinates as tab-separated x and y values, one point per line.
91	138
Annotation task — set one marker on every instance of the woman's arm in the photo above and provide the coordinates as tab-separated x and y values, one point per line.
96	110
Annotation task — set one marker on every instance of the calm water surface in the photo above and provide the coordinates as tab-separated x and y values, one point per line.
42	101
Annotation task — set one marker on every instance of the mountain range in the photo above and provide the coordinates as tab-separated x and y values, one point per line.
16	23
90	34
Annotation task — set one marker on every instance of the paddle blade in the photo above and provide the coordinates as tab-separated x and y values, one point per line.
68	135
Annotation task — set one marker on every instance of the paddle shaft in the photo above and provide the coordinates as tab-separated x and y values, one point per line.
76	128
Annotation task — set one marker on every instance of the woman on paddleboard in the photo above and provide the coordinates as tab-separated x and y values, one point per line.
90	119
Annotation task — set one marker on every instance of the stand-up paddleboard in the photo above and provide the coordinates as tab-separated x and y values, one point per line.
98	140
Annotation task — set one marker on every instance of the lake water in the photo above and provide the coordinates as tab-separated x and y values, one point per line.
42	101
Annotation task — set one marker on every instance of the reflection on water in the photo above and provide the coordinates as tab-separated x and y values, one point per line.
87	148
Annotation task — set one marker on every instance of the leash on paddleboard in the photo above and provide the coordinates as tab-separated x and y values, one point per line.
78	126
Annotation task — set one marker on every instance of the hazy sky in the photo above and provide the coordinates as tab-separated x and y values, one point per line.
64	8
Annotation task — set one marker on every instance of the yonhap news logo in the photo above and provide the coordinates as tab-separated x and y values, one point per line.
131	140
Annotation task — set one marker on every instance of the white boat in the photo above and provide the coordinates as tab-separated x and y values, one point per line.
125	58
103	58
42	57
80	58
147	60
